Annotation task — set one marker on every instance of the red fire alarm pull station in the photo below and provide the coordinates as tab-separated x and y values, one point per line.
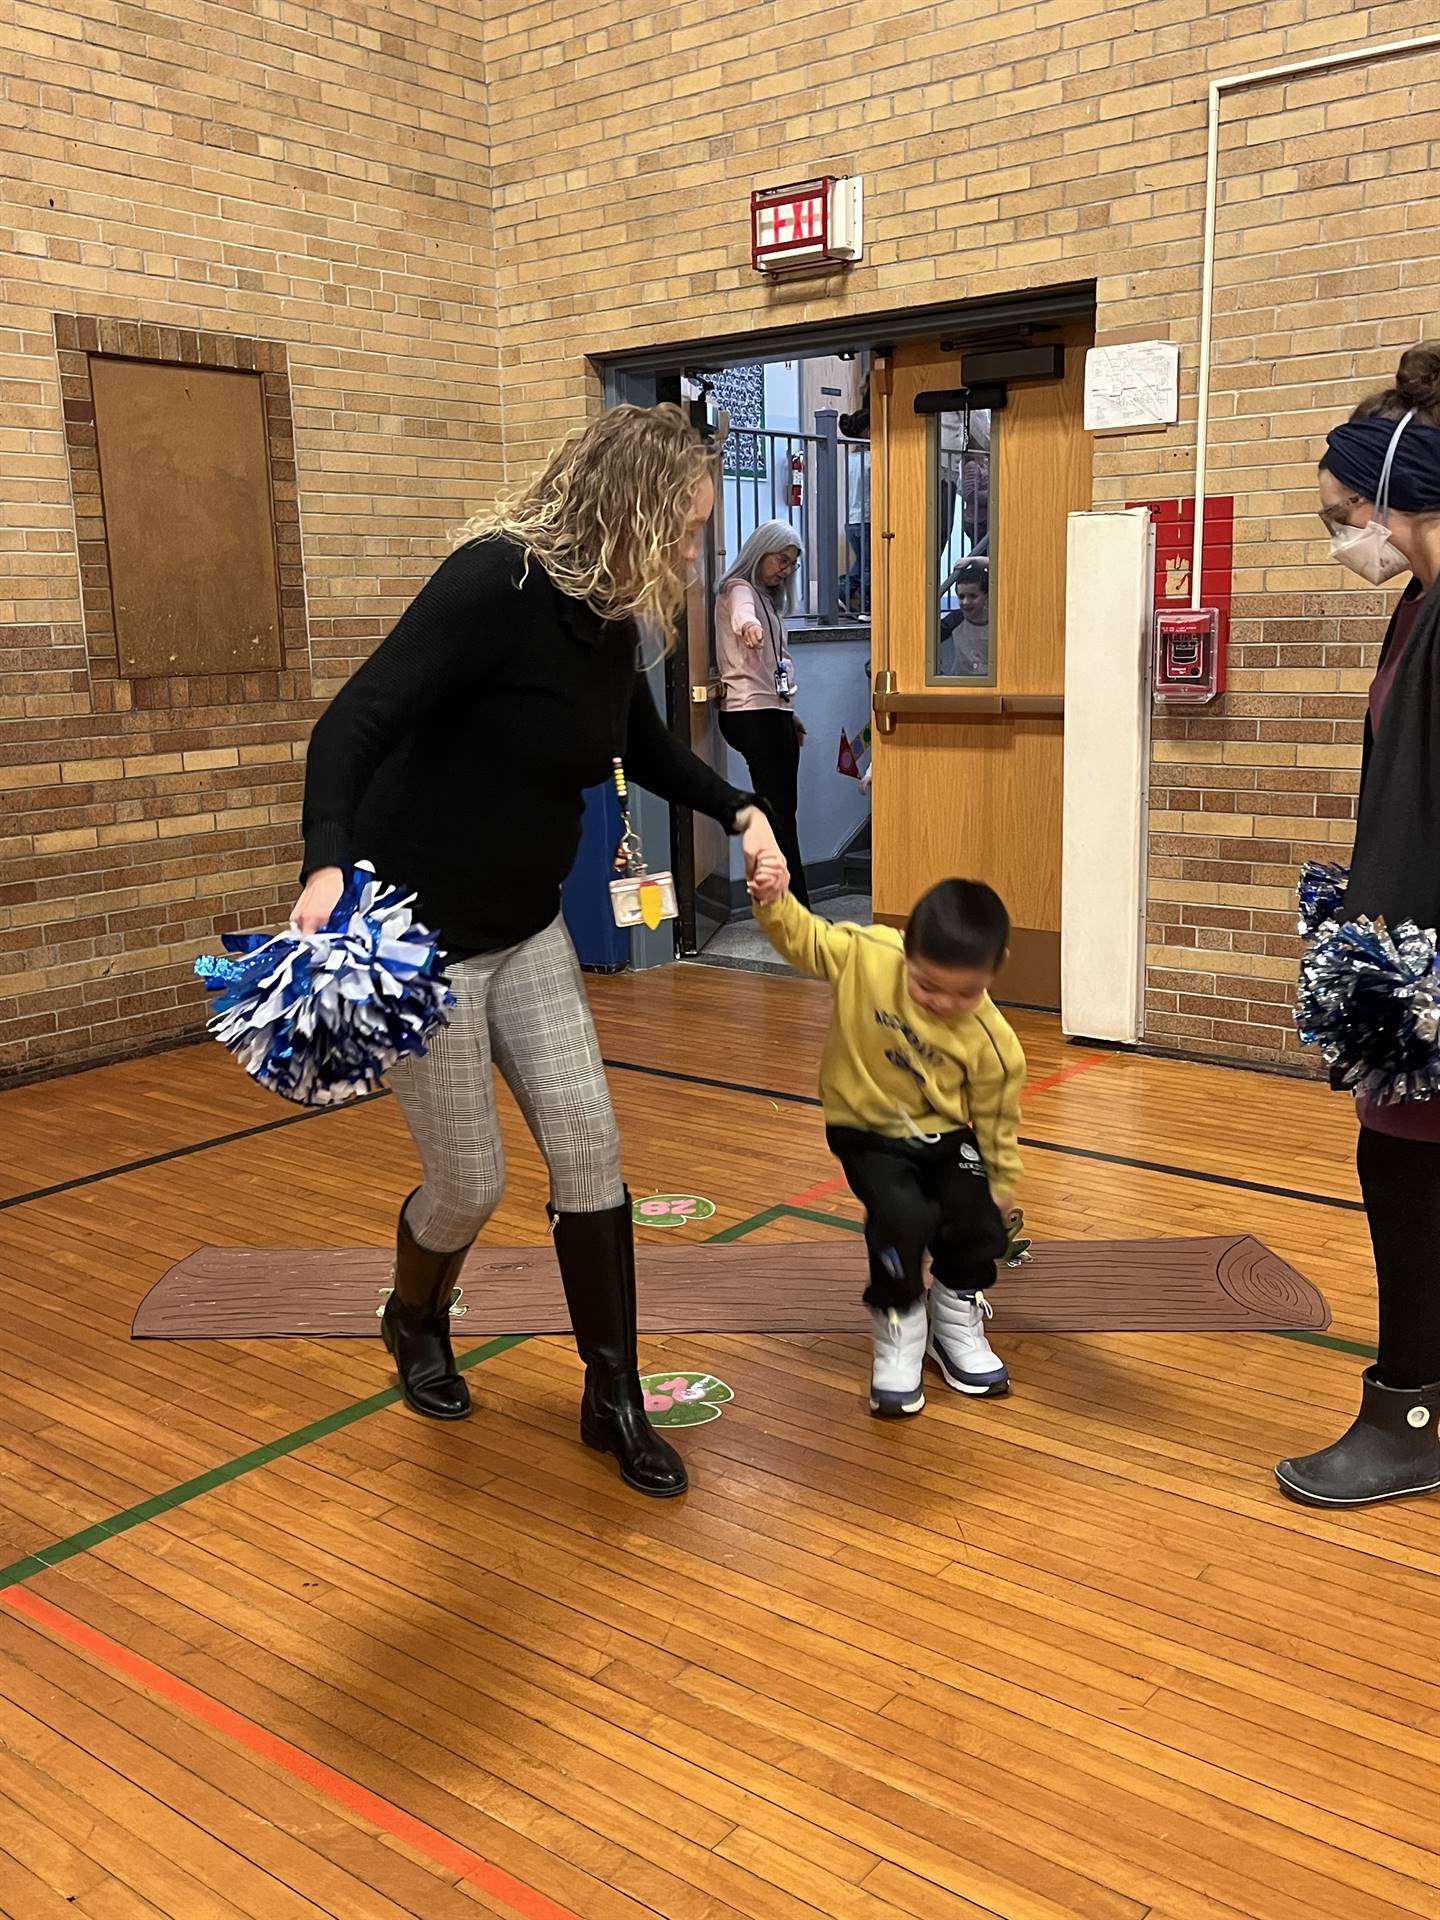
1189	656
1192	618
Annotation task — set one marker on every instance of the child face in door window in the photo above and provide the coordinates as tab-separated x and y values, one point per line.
974	604
972	592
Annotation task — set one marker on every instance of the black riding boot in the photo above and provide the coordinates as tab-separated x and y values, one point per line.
1393	1449
596	1252
416	1326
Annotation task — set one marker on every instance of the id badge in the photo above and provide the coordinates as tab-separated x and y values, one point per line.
643	900
785	682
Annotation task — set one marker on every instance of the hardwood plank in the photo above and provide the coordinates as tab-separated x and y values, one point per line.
1066	1656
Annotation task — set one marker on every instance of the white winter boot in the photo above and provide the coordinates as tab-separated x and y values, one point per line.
896	1376
958	1345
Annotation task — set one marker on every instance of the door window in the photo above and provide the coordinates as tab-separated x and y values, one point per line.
962	640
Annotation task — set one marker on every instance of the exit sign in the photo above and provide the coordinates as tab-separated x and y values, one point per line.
815	223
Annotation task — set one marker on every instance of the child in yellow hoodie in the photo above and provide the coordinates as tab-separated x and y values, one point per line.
920	1080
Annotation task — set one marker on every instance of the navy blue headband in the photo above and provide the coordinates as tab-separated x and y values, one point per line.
1355	454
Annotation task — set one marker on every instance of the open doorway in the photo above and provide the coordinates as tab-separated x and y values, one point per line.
794	490
949	628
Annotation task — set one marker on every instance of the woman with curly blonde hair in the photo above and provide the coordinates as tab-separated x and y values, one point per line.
456	760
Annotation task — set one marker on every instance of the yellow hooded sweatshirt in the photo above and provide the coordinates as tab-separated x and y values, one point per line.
890	1069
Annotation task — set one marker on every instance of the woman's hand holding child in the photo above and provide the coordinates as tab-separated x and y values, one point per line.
770	881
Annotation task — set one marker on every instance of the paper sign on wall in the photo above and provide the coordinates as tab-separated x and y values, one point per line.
1130	386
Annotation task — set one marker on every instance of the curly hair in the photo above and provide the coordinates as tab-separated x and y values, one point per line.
607	515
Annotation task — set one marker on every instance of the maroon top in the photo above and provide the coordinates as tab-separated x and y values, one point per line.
1414	1119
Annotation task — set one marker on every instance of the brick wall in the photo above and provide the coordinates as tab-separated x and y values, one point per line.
311	179
322	178
1005	147
1326	270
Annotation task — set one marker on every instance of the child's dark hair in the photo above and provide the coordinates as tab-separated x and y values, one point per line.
960	923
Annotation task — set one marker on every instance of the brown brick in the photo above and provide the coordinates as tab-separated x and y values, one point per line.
375	287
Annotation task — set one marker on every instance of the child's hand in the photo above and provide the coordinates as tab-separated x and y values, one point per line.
770	881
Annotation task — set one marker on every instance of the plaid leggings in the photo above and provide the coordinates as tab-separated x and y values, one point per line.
524	1011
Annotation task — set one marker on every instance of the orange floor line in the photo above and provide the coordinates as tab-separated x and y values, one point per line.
1067	1073
367	1806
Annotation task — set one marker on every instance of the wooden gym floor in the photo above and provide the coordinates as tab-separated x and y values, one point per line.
272	1647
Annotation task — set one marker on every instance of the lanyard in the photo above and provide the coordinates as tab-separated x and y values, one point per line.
637	896
629	855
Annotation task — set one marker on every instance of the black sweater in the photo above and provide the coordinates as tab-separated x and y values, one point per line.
457	757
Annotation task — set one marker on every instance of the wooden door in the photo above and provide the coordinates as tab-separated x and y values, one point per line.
968	770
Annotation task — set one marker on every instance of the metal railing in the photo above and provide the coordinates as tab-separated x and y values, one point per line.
818	484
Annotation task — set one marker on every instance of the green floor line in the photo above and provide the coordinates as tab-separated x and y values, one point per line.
766	1218
228	1470
342	1417
824	1219
1330	1340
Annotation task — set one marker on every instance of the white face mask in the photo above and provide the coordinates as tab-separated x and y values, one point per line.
1369	550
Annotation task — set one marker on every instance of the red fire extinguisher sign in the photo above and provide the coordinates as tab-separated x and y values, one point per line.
797	479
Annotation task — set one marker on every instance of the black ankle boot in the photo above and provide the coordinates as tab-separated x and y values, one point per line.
596	1252
1392	1449
416	1326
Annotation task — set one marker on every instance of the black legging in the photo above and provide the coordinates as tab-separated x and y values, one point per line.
769	744
1400	1180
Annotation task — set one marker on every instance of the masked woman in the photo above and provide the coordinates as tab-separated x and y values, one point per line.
1380	500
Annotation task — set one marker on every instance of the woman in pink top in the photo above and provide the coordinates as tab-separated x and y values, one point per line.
1380	500
757	680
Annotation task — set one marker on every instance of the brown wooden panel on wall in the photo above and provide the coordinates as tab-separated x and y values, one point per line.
185	479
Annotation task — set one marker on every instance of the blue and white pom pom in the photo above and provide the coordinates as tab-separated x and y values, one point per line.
1322	895
1370	1000
319	1018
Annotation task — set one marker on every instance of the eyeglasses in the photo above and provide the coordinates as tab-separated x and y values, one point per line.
1336	519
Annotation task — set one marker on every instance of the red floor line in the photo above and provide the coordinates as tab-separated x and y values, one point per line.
367	1806
836	1182
822	1191
1067	1073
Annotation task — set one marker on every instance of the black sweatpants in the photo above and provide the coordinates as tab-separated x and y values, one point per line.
922	1196
1400	1180
769	744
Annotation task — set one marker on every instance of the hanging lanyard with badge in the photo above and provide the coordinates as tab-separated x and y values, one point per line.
785	681
638	898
